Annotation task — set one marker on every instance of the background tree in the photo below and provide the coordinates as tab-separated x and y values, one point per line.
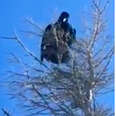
67	89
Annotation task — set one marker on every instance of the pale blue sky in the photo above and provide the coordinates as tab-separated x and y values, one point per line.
12	14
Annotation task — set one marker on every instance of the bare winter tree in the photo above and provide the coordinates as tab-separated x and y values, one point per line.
67	89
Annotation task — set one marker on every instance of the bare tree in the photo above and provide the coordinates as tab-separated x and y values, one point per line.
67	89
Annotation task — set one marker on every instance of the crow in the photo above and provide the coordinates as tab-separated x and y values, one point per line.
56	39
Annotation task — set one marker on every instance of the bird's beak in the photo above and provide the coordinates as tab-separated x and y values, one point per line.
64	20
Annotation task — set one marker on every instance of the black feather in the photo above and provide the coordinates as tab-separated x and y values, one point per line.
54	46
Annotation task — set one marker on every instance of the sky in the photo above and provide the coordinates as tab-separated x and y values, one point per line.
12	16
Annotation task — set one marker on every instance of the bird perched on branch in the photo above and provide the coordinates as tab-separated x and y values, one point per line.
56	40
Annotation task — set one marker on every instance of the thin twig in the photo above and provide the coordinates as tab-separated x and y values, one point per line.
6	113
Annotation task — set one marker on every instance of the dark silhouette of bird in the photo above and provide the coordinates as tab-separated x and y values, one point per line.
56	39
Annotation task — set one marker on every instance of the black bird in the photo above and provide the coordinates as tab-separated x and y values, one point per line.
56	39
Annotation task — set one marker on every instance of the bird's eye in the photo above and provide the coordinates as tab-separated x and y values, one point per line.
44	47
64	20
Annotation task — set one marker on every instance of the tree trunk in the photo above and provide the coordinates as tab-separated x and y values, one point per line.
87	109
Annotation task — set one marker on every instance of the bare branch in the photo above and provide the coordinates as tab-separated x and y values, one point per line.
26	49
30	21
6	113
